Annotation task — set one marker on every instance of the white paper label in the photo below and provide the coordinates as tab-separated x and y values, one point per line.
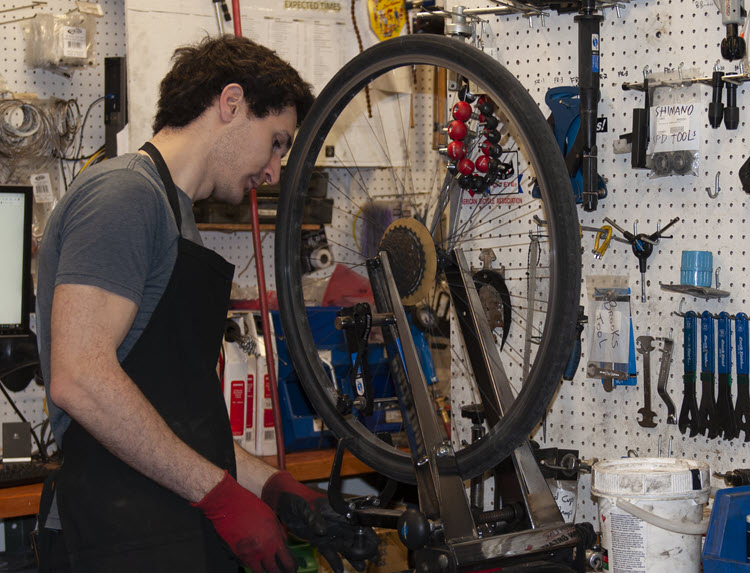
676	127
610	340
628	553
74	42
42	186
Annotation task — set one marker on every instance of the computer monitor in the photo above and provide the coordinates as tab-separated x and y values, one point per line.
15	260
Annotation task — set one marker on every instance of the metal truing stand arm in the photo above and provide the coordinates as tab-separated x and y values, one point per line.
495	391
437	473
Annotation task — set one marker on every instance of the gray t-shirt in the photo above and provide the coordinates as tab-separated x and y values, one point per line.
113	229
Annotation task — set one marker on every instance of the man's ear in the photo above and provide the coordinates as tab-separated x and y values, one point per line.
231	102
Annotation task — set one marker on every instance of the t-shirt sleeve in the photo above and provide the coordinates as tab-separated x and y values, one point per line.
110	233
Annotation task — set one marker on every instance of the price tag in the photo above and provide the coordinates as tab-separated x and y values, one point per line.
42	187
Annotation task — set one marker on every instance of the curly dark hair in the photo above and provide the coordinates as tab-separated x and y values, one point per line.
200	72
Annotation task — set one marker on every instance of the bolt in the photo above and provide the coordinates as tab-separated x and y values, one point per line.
443	562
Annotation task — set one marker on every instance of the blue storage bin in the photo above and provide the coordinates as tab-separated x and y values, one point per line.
725	550
300	423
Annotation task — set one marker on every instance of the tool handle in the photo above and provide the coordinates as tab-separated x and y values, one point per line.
575	356
708	360
689	344
658	234
724	346
741	343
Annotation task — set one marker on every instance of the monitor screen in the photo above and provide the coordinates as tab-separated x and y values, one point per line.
15	259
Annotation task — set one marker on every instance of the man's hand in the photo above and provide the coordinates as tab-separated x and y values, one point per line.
308	515
249	527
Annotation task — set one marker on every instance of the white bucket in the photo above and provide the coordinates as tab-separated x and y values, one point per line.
651	513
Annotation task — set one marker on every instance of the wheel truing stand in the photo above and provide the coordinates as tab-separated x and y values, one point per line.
443	533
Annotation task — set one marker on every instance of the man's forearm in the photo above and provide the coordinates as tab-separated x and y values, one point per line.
252	472
120	417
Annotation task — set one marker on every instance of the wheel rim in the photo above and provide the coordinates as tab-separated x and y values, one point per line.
501	222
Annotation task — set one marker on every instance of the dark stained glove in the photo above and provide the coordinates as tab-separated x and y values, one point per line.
308	515
249	527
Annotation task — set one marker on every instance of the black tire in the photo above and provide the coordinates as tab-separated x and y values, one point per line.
557	332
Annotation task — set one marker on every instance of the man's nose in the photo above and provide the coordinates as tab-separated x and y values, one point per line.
272	171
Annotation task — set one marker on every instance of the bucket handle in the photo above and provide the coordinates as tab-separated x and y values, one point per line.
664	523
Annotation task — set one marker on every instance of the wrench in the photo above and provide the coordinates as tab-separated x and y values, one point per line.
707	420
644	345
724	407
666	363
742	407
689	412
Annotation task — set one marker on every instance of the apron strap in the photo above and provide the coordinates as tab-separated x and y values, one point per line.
166	178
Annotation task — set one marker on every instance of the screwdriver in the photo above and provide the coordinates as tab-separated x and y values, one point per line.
642	245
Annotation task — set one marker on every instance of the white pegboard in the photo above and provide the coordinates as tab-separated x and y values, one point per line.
660	35
85	85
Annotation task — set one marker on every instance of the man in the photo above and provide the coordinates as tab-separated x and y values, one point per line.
131	311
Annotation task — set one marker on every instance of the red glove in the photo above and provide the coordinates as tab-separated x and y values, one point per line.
249	527
308	515
283	482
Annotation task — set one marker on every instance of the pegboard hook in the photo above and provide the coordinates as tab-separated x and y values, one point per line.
679	70
679	310
716	275
716	187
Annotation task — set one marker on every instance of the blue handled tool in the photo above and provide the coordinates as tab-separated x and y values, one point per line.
689	410
724	407
742	407
707	423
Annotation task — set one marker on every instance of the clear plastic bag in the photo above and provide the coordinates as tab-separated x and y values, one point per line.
675	124
61	43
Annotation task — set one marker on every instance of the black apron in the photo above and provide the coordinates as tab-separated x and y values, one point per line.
114	519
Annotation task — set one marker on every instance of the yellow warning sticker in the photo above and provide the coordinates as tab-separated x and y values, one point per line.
387	17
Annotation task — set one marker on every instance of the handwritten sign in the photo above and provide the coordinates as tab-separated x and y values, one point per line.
676	127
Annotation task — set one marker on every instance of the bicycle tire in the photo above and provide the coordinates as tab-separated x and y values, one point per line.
561	226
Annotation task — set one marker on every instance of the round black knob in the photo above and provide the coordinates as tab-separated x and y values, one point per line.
413	528
475	412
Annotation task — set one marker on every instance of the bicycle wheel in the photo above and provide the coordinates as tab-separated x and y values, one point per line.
378	130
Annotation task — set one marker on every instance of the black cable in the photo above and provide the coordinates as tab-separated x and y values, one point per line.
77	155
42	451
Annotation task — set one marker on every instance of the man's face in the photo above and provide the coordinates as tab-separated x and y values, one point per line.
249	152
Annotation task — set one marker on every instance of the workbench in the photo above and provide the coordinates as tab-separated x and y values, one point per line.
311	465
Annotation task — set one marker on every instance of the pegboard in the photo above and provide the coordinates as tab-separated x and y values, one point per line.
85	85
662	36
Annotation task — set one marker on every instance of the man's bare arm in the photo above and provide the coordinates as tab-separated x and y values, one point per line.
88	325
252	472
